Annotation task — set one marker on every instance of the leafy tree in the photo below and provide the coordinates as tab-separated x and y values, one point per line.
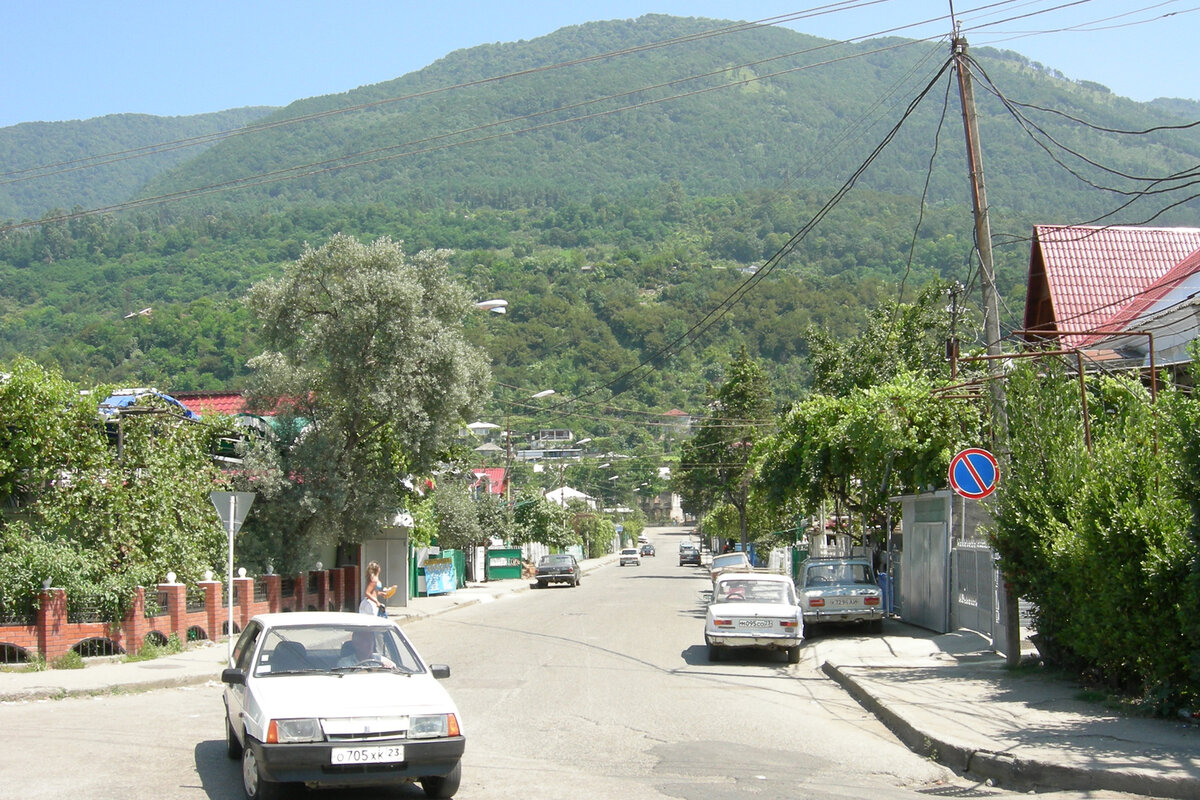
862	448
536	519
366	359
715	466
457	519
95	519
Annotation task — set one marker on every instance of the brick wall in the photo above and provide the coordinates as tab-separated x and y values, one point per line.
52	635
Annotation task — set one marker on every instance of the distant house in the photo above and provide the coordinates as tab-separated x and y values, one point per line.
1115	290
565	495
492	480
202	403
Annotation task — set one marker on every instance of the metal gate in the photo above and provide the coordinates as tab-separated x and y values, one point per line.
973	569
925	578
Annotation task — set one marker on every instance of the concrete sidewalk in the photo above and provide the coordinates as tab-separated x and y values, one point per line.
951	698
947	697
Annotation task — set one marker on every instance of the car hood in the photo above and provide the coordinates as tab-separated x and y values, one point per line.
352	694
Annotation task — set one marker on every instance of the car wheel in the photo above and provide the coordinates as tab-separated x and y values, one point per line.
233	748
541	584
577	580
255	785
793	654
443	785
715	652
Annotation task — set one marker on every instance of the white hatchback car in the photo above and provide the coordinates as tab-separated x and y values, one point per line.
338	699
754	609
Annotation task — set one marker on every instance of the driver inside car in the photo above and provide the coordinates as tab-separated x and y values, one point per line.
362	651
735	592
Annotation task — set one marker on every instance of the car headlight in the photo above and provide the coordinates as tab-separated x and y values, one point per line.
432	726
290	731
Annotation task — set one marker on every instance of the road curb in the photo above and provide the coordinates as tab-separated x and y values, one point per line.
1009	771
51	692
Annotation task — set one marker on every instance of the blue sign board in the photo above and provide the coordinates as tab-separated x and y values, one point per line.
439	576
973	473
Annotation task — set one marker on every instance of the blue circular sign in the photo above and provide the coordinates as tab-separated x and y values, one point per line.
973	473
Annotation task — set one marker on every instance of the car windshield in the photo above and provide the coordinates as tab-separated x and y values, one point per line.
555	561
752	591
334	649
830	574
729	558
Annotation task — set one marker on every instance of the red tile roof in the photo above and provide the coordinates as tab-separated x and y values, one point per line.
212	402
1081	277
1156	291
494	476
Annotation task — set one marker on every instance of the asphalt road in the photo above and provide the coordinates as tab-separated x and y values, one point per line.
601	691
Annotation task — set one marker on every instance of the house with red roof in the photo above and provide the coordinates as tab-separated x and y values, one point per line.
492	480
1127	290
203	403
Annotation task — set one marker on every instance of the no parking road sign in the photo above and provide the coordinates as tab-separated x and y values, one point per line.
973	473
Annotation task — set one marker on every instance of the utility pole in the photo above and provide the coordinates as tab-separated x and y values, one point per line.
991	309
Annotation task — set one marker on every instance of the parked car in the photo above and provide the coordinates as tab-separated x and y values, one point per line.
689	554
729	562
630	556
557	568
840	590
338	699
647	550
756	610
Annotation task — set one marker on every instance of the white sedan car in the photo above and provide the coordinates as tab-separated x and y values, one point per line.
630	555
338	699
729	562
754	609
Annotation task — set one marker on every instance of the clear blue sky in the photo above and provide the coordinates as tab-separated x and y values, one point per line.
66	60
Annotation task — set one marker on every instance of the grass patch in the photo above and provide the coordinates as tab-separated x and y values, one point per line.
150	651
68	660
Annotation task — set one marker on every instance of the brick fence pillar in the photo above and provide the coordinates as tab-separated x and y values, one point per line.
322	580
133	629
212	609
51	617
272	584
176	608
244	589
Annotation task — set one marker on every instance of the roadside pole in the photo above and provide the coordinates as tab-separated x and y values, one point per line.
231	508
991	310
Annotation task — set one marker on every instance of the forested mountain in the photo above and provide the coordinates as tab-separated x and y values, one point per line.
98	162
615	202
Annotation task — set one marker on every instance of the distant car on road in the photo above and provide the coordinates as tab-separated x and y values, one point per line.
840	590
756	610
337	699
647	550
729	562
630	556
689	554
557	568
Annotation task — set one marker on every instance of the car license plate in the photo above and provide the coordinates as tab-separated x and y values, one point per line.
754	623
844	601
386	754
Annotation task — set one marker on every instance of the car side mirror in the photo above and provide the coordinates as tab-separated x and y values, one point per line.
233	675
440	670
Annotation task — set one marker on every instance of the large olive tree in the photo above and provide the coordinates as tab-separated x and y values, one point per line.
369	376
